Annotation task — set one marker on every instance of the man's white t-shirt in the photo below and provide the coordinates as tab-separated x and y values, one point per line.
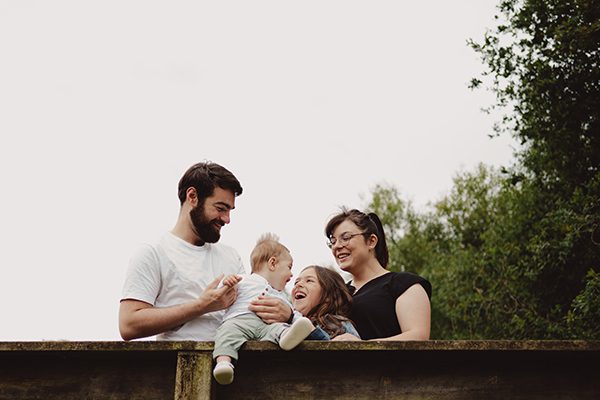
173	272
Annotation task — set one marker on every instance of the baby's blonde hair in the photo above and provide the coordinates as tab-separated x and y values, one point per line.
267	246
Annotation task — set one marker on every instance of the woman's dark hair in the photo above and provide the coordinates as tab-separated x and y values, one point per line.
334	305
369	224
204	177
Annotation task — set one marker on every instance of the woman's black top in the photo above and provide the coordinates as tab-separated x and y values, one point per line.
374	304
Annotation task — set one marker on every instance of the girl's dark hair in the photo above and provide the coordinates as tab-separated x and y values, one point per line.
204	177
335	303
369	224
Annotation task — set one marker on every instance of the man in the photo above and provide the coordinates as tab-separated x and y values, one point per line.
171	288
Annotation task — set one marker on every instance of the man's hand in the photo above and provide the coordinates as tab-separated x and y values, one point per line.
213	299
270	309
138	319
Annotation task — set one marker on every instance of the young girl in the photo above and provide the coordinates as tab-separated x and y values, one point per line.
321	295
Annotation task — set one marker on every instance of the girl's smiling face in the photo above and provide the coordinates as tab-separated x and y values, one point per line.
306	293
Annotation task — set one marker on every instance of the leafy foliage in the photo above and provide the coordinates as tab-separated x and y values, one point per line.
516	253
545	67
503	262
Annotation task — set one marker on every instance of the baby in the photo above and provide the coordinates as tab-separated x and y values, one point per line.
271	269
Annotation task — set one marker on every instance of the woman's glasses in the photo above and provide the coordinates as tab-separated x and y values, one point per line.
343	239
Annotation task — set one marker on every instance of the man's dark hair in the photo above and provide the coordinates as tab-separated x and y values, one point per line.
204	177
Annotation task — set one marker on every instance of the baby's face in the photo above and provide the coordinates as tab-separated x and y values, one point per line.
306	293
283	271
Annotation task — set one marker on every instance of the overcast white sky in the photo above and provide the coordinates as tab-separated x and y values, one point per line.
104	105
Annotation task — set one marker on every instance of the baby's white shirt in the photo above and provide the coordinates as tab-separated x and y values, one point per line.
249	288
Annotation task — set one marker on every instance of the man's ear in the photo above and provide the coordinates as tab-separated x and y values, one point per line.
272	263
191	196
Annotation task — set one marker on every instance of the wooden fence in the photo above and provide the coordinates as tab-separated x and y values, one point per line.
314	370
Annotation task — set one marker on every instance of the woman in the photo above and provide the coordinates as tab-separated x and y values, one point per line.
386	305
321	295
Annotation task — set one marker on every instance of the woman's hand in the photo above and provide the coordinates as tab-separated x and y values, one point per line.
270	309
346	337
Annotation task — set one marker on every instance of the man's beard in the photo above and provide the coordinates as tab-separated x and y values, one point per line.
205	229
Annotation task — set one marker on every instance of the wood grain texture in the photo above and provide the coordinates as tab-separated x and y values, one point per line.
332	370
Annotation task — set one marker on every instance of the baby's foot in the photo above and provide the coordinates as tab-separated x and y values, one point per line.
223	372
295	334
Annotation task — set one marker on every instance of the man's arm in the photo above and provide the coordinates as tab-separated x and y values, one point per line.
138	319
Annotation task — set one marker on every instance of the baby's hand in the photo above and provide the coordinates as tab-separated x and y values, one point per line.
231	280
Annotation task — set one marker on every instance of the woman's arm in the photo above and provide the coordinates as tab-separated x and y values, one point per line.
414	314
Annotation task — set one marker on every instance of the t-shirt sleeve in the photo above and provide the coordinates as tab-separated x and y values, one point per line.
234	261
402	281
241	269
143	281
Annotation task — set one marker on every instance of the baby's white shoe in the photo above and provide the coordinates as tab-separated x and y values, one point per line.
223	372
295	334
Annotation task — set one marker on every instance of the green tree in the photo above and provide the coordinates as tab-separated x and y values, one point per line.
544	60
544	65
490	258
404	228
517	254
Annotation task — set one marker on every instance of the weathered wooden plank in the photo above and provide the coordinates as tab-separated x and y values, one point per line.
356	370
431	345
87	375
415	375
194	376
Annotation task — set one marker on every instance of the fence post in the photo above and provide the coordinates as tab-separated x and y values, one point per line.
193	379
